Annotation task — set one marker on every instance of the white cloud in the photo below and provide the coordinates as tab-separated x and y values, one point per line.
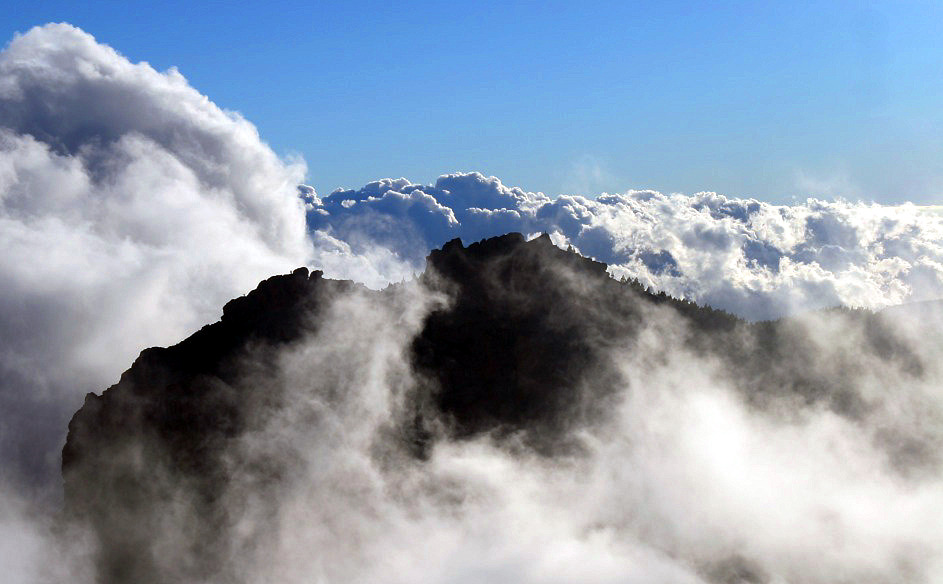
587	174
752	258
131	209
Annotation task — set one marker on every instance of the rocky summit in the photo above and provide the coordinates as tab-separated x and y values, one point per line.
515	347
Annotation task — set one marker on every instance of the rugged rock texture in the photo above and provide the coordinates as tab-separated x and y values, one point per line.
521	350
523	336
168	421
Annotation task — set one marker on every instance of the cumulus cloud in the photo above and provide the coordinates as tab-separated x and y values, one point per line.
752	258
131	209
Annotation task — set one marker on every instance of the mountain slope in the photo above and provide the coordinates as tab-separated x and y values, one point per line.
517	343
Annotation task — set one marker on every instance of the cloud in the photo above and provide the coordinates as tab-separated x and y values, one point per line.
752	258
131	209
587	174
412	219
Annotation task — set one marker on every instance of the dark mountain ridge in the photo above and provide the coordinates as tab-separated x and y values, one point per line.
520	352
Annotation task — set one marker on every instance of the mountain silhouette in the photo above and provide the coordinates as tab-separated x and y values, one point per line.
518	350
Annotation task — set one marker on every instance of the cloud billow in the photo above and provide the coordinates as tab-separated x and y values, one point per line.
131	209
752	258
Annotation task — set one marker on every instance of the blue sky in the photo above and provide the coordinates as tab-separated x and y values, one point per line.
749	99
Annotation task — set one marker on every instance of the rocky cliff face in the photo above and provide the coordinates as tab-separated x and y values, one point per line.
167	425
519	350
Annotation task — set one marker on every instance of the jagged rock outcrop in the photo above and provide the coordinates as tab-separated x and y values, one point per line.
167	423
525	333
520	350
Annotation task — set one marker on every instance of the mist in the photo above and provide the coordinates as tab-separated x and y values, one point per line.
685	481
677	468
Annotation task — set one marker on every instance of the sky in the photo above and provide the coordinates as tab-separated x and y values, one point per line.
777	101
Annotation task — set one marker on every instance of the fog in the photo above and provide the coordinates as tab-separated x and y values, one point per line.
684	479
686	482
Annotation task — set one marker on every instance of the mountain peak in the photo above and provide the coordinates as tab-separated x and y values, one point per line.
520	353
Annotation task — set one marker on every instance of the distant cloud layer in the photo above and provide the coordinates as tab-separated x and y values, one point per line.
751	258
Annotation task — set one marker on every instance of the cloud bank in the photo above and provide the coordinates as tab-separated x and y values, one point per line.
754	259
131	209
